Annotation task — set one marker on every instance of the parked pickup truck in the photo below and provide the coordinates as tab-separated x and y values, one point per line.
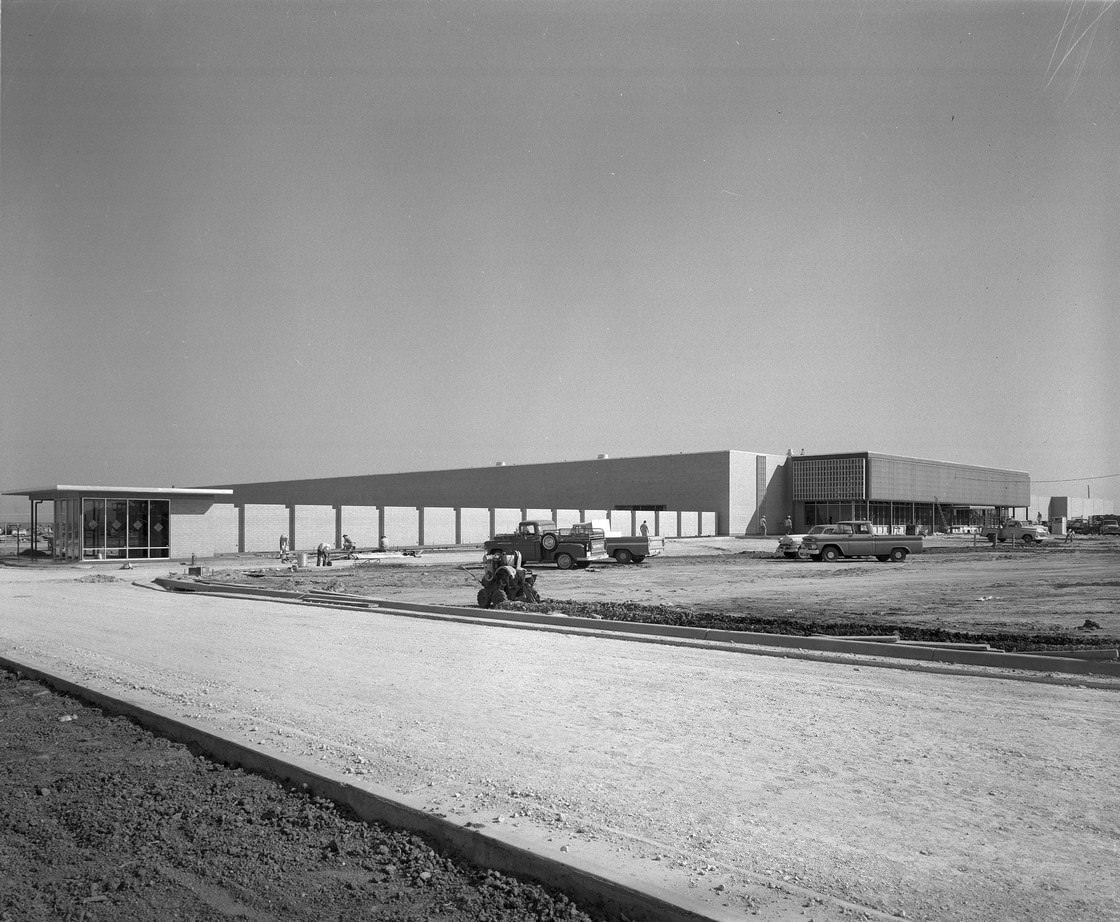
540	541
1014	530
858	539
628	549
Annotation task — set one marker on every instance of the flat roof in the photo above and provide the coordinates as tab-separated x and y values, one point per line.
65	489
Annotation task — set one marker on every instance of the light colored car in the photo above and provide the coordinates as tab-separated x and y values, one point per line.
790	545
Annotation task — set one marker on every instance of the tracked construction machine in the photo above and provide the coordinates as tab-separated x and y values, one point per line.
504	579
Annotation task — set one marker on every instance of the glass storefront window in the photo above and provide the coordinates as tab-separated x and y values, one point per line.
160	532
116	527
129	528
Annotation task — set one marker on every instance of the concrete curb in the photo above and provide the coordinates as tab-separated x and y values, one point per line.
508	852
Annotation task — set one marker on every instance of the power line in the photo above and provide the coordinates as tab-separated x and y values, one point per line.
1078	479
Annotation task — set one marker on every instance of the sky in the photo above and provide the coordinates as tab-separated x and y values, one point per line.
273	240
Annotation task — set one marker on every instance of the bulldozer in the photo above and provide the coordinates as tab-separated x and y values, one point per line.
504	579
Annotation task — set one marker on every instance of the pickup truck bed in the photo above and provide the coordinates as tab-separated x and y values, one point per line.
634	548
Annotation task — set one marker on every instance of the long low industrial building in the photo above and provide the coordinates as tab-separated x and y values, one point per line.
679	495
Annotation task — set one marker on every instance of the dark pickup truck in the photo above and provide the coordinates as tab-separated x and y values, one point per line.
858	539
540	541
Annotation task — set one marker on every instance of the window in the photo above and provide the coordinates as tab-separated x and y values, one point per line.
128	528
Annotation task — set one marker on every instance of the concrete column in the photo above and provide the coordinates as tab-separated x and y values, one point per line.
420	525
524	514
493	520
678	523
240	528
657	521
555	515
633	521
380	524
291	526
338	526
458	525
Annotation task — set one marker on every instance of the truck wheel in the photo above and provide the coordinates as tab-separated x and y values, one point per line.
816	557
830	554
549	542
1028	539
623	556
898	555
565	561
882	558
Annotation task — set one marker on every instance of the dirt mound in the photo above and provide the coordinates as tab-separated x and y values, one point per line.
804	627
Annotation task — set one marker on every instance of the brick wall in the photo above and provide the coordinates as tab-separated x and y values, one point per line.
439	525
314	524
362	524
202	527
264	524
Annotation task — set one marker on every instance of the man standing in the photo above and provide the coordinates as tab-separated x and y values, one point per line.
645	530
789	525
762	524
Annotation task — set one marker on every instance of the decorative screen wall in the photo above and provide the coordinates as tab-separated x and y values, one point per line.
823	479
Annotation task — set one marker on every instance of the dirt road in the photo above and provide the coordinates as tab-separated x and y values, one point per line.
716	774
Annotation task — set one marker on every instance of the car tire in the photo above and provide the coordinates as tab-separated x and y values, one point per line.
830	555
565	561
882	558
549	542
898	555
623	556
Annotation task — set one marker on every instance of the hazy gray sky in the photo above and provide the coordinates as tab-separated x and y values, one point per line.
265	240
